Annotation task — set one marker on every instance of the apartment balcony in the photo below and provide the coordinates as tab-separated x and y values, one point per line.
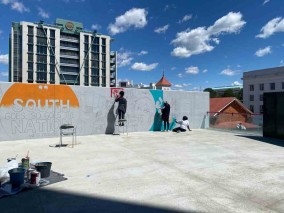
74	40
69	65
69	56
69	48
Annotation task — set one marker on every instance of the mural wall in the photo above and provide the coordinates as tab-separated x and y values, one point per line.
38	110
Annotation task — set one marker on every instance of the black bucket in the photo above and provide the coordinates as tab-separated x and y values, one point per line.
43	168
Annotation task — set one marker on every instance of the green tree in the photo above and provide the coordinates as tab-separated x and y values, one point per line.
240	95
228	93
213	94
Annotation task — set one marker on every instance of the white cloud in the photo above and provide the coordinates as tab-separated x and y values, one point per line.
236	83
185	18
162	29
136	18
42	13
206	82
180	75
124	58
228	72
6	2
185	85
4	74
19	6
4	59
263	52
265	2
273	26
96	27
143	66
192	70
15	5
178	85
205	70
143	52
281	62
199	40
173	68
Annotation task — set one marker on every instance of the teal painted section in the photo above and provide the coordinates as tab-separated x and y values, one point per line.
158	100
159	103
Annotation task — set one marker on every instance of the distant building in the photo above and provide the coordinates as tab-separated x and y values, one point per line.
261	81
220	90
228	112
125	84
143	86
163	84
63	53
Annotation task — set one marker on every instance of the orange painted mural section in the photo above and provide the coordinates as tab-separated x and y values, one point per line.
40	93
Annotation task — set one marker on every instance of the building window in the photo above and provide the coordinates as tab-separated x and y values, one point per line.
52	33
30	39
261	97
251	87
251	98
52	42
30	48
103	49
95	48
30	57
261	109
95	56
272	86
86	39
103	41
30	77
30	66
282	85
95	64
261	87
30	30
103	57
251	108
97	40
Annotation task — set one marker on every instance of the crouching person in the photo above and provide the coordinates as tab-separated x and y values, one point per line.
184	124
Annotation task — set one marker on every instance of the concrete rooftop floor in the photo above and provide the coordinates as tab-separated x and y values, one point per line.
197	171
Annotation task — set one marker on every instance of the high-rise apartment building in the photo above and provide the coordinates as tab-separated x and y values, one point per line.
63	53
258	82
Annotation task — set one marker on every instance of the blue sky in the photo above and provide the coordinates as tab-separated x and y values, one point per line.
197	43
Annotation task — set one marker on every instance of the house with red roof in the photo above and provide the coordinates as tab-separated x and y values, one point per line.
163	83
228	112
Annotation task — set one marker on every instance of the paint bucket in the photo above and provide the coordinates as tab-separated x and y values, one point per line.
35	178
17	177
43	168
26	163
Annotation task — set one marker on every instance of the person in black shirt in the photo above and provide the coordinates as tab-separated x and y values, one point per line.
122	105
165	115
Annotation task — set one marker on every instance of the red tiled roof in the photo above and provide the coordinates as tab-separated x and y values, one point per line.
217	104
163	82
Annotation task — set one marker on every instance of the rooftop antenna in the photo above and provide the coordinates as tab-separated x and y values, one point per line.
83	62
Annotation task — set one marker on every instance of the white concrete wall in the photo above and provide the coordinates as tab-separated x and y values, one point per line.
37	110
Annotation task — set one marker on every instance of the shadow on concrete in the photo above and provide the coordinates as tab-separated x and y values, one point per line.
51	201
110	120
272	141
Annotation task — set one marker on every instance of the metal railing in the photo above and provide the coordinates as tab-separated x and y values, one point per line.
237	122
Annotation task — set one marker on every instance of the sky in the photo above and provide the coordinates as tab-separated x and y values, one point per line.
198	44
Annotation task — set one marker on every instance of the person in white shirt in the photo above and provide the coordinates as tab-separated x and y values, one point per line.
184	124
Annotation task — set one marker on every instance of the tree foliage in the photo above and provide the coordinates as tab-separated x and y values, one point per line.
213	94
